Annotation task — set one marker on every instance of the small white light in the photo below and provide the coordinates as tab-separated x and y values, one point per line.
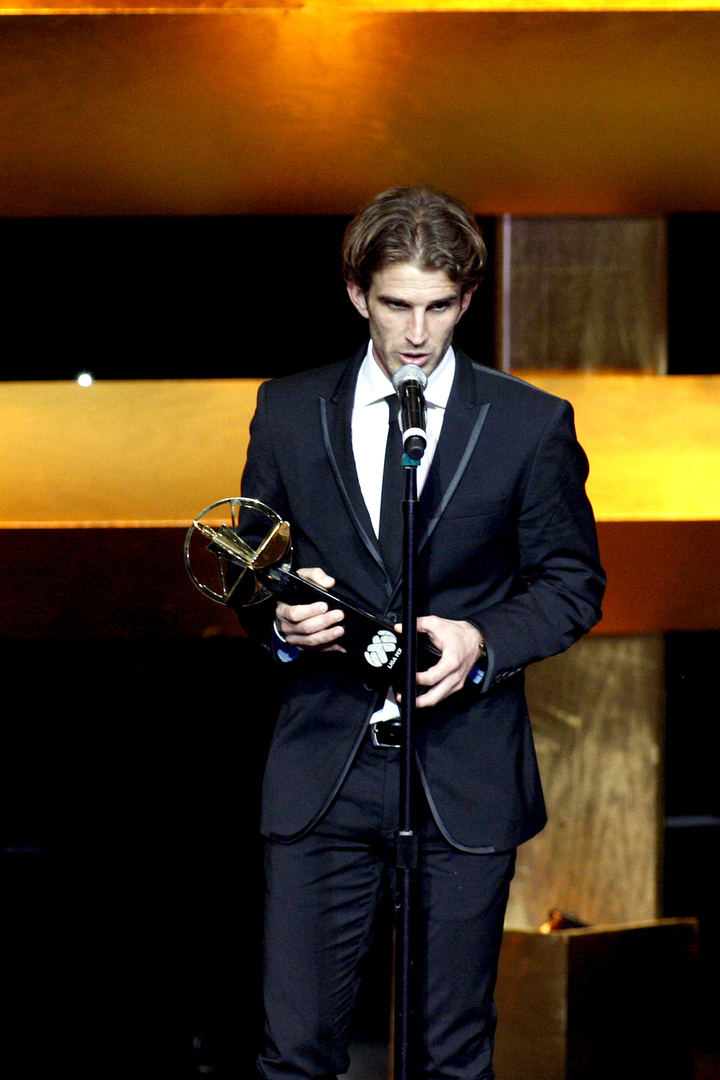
85	379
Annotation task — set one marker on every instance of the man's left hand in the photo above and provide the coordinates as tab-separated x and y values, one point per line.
461	646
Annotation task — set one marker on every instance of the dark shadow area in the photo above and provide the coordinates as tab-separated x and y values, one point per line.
187	298
692	800
131	865
693	288
131	862
234	297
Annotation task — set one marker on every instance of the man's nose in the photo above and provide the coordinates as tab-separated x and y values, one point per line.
417	327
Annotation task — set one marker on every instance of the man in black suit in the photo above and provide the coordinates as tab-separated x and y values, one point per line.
508	574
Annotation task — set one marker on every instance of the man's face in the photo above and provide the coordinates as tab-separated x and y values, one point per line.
412	315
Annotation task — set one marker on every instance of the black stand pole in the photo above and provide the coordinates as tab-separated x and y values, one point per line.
406	840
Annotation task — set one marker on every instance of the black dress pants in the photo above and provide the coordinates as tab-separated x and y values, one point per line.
322	895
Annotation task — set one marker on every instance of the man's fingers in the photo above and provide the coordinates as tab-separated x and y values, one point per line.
438	691
294	614
459	645
317	576
302	622
310	626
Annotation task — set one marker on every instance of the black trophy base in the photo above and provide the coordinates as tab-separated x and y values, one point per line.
370	641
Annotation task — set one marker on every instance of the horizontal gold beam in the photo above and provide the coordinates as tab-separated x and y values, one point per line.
121	453
652	442
157	452
84	469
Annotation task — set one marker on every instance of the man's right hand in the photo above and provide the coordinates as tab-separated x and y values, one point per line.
311	626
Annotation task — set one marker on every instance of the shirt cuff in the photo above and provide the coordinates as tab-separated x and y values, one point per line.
285	653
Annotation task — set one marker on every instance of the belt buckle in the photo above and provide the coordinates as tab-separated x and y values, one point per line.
393	726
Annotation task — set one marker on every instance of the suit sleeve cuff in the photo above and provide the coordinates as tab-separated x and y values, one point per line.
482	673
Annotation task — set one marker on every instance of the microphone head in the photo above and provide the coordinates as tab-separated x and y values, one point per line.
409	373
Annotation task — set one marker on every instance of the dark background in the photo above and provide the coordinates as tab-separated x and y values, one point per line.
131	766
235	297
186	298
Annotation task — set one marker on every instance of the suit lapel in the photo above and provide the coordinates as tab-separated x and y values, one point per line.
463	422
336	421
464	419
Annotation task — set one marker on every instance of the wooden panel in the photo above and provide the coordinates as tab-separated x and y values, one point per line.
588	1004
59	579
662	575
92	6
103	583
597	718
523	112
583	294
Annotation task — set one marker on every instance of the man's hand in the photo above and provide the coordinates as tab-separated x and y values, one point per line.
461	646
311	626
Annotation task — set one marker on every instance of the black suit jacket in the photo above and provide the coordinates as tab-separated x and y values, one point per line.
506	540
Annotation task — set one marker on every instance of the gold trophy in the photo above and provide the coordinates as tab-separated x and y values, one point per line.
238	552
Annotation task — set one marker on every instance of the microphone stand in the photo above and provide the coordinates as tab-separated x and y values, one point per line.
406	842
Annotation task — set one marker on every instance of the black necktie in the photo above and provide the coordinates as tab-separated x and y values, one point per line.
393	490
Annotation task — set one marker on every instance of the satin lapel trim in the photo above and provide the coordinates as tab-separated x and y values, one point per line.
336	422
461	429
448	488
464	420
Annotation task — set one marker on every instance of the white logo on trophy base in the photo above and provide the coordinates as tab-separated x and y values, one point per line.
383	644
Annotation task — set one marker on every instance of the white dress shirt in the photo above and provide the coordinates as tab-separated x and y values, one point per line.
370	425
369	439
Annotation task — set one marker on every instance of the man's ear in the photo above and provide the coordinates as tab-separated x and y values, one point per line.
358	298
465	302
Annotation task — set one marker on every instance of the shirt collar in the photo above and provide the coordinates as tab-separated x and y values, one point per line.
373	384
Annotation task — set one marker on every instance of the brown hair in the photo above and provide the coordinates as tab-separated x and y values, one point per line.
417	225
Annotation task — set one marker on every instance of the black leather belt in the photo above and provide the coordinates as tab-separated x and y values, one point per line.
387	733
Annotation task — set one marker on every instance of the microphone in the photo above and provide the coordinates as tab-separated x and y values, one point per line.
409	382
